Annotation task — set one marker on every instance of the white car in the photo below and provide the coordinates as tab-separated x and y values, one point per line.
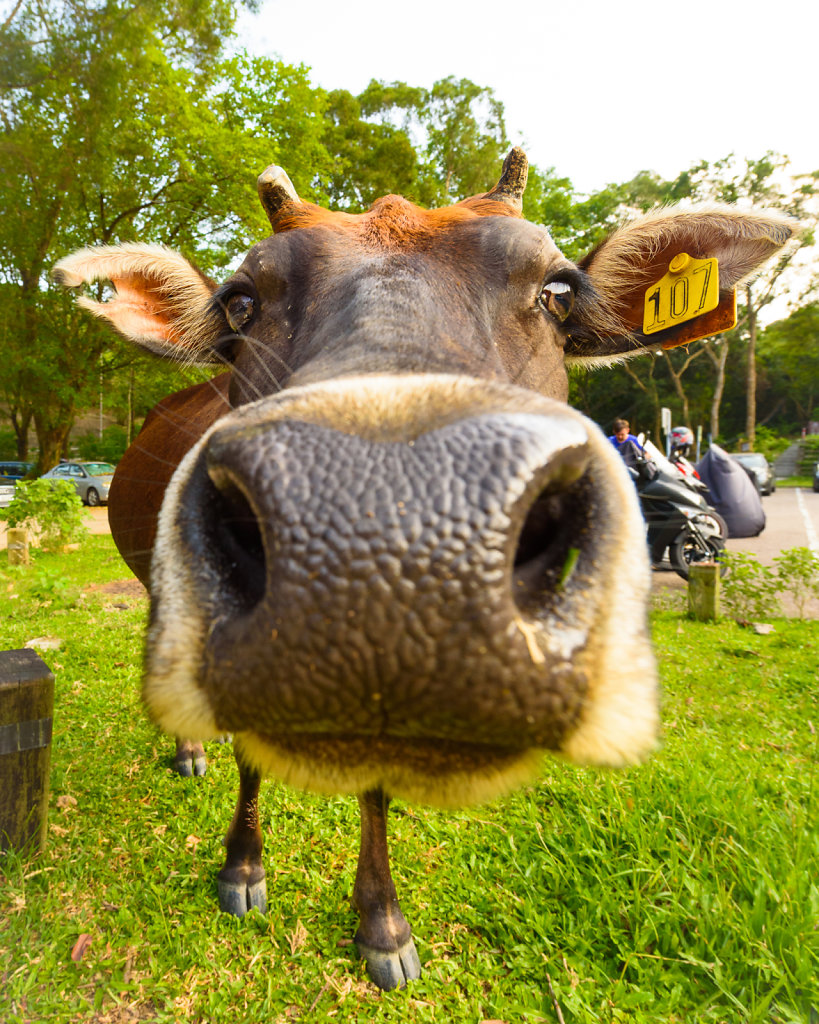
7	488
91	479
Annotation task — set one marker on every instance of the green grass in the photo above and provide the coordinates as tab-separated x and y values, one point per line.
795	481
682	890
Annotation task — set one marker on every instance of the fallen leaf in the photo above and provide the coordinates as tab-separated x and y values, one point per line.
80	946
44	643
191	843
297	937
66	802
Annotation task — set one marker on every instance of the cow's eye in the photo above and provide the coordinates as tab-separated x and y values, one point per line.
558	298
239	310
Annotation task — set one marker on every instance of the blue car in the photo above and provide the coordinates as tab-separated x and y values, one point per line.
15	470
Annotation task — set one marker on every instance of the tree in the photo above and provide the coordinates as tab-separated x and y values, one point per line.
790	356
761	182
456	128
371	157
121	124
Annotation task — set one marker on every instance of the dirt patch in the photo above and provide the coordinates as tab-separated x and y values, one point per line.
118	588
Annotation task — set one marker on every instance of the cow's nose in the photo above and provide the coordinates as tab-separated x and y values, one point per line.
489	502
364	586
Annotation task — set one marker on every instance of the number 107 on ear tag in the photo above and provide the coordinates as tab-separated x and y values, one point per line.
689	289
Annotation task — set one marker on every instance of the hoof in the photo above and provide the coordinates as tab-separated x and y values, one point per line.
238	897
187	767
190	759
391	970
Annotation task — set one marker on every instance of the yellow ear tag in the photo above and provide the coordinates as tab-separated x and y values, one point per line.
689	289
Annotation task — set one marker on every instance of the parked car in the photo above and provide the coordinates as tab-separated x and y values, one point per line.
91	479
816	477
760	470
15	470
7	489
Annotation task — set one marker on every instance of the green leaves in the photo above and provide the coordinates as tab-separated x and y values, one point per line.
51	510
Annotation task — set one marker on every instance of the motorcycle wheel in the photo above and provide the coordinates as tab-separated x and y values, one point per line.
684	550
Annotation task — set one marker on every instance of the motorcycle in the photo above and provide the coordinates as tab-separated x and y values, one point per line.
678	518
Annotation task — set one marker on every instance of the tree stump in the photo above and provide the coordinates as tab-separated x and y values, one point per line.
26	707
703	591
17	546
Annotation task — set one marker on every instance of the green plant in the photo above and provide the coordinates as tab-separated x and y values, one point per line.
749	589
809	455
52	587
50	510
108	448
770	443
8	444
797	572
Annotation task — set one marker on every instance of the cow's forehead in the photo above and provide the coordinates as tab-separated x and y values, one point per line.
478	228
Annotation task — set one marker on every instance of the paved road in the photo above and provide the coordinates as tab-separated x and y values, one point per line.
792	521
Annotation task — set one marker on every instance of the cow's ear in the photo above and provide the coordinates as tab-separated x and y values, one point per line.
626	268
160	301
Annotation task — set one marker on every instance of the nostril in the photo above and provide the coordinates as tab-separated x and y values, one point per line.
550	542
238	538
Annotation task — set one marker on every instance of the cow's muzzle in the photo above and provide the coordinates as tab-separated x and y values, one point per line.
365	587
348	575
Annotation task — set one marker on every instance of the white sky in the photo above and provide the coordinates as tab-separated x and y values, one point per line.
598	90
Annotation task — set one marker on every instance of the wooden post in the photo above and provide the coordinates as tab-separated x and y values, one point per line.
26	707
703	591
18	546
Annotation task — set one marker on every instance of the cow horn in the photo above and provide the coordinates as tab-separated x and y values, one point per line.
512	181
275	189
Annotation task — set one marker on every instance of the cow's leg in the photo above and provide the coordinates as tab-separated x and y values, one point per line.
241	881
383	938
190	758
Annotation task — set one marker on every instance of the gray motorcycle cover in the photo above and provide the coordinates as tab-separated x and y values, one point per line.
731	493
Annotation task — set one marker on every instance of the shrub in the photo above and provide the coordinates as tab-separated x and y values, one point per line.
50	510
797	572
769	443
108	448
749	589
809	455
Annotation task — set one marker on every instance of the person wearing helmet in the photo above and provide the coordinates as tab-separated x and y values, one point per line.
682	439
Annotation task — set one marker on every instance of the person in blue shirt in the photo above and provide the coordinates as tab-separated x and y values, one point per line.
625	442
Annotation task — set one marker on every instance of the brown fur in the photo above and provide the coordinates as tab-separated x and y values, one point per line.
390	221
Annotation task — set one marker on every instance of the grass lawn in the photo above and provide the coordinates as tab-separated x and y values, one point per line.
795	481
684	890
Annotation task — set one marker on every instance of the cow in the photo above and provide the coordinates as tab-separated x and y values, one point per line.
381	549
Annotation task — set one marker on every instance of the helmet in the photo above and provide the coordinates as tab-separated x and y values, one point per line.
681	436
681	440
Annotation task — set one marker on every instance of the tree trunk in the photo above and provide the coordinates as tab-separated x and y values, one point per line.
750	418
719	385
20	422
648	387
676	377
53	441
